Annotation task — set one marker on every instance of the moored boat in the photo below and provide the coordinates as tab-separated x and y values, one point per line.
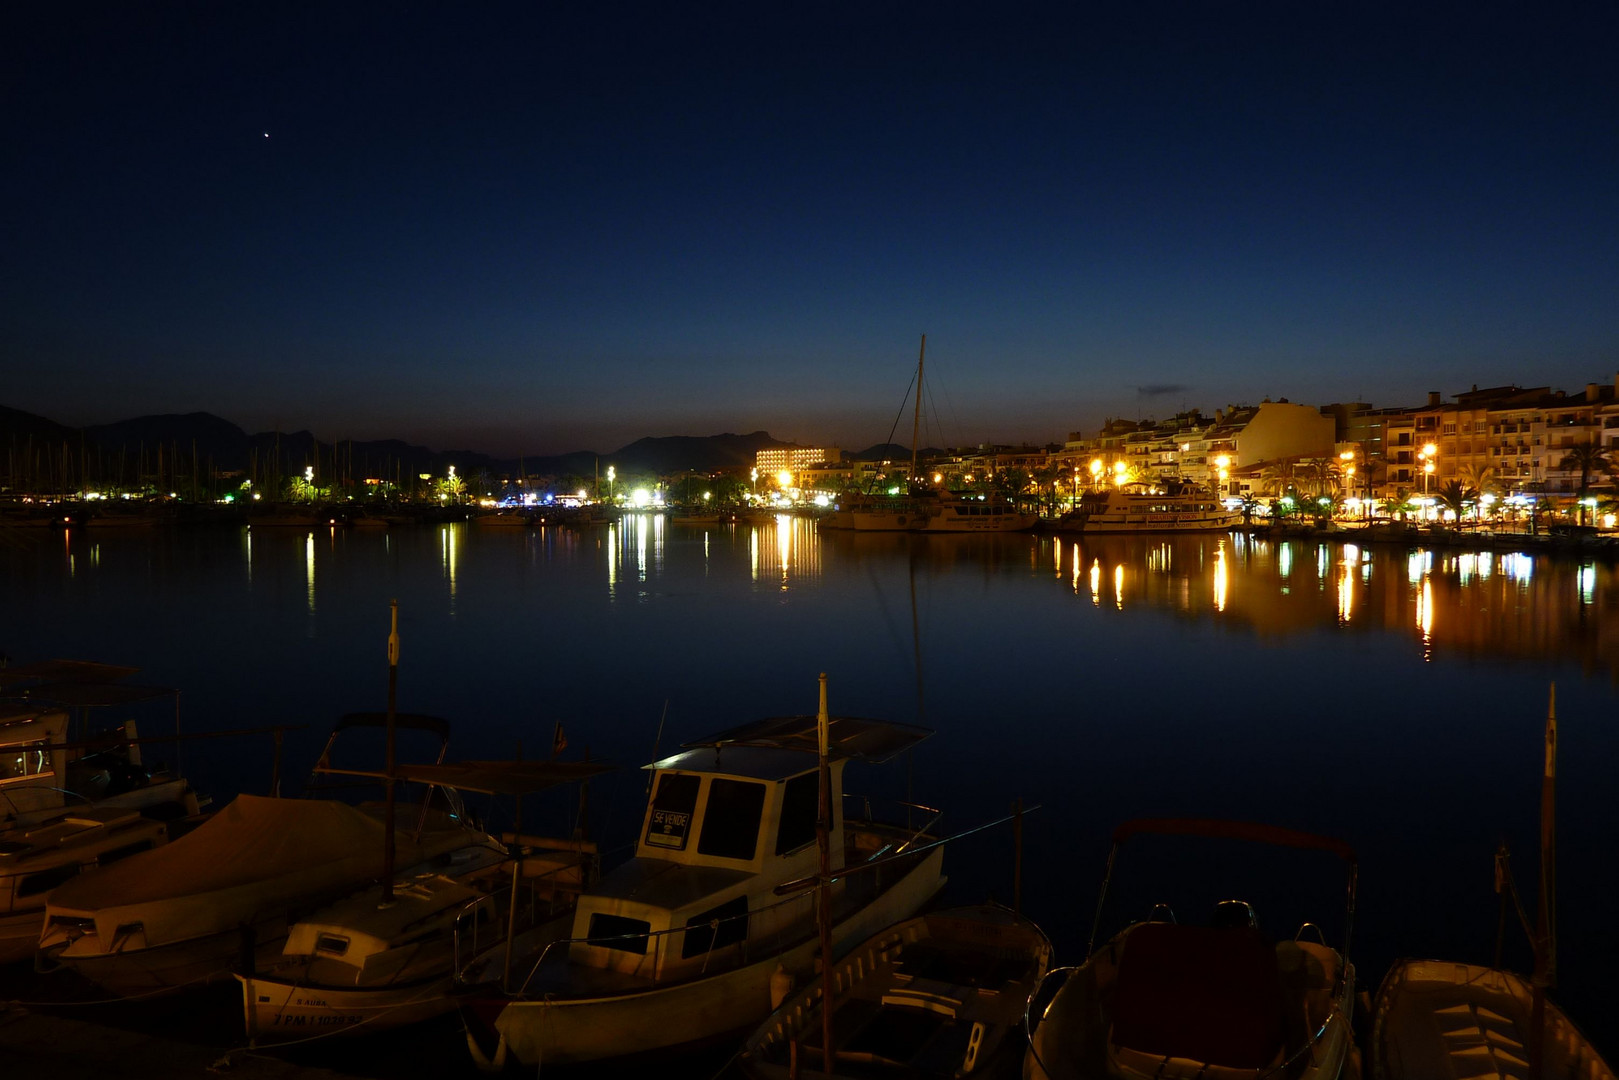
934	996
73	800
1438	1018
1168	1001
975	515
371	962
1139	508
682	943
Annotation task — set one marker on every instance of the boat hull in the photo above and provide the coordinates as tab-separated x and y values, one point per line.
276	1008
563	1030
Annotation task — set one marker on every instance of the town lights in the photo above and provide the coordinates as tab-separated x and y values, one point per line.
784	479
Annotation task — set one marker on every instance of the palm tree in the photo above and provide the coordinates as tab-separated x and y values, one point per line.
1457	497
1588	457
1395	505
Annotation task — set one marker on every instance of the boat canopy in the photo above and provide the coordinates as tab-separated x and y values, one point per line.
502	777
847	736
254	855
415	721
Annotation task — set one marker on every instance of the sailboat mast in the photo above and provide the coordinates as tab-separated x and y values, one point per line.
916	424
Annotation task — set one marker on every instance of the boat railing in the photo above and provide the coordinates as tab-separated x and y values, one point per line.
931	819
496	903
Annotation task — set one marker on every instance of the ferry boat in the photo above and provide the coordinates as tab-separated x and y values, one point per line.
1179	508
714	919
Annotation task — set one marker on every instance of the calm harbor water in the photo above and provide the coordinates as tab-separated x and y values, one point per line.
1391	697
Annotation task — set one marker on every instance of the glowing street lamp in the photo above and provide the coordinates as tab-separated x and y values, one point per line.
1096	471
612	474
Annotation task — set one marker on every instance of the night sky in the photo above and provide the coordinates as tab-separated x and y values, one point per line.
550	226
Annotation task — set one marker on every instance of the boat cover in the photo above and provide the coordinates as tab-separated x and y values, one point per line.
256	857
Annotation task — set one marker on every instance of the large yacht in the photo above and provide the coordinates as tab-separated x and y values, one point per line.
1173	507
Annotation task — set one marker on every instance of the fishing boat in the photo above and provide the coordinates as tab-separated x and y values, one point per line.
975	515
191	911
1164	1000
380	959
939	995
1176	507
683	943
73	799
1440	1018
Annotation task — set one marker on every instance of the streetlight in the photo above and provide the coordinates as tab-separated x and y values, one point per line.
1096	471
612	474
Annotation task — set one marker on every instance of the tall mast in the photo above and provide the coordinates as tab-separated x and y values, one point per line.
916	424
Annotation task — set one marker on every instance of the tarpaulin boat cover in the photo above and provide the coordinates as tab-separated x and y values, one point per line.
256	857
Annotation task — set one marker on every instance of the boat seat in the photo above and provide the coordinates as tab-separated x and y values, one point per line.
1309	974
1206	995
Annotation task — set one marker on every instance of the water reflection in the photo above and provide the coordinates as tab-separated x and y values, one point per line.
1475	604
309	570
450	557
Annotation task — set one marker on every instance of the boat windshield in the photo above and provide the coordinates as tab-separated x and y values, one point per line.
672	806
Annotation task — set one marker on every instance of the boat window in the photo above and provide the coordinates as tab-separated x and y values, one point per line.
731	820
46	880
625	935
19	761
672	807
702	937
800	805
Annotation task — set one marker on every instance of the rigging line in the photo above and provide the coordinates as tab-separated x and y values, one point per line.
882	608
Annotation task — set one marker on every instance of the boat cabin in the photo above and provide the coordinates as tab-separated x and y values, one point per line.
32	776
729	819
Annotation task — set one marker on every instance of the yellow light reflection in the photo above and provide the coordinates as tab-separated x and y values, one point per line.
1346	591
1075	561
1425	616
784	549
1096	582
1588	584
1222	580
450	557
1118	586
1284	559
309	568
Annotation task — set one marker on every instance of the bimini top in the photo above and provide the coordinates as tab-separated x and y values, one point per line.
847	737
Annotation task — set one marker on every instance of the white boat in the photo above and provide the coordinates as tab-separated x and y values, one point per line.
187	912
935	996
1438	1018
974	515
684	942
370	963
69	807
1169	1001
1137	508
194	909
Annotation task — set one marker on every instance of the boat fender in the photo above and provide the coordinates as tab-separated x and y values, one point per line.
974	1041
781	985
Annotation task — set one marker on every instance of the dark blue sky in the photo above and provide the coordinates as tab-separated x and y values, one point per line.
560	226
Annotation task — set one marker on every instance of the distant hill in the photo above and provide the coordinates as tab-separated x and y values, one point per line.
143	442
19	425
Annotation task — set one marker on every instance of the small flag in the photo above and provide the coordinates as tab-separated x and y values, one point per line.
559	741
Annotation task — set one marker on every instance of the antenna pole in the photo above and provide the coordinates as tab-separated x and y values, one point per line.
916	424
393	692
1545	973
824	900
